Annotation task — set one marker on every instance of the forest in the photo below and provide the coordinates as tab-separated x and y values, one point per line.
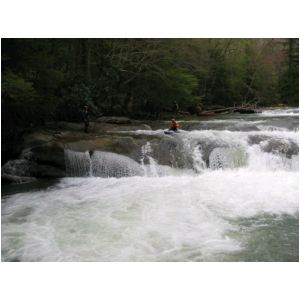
46	80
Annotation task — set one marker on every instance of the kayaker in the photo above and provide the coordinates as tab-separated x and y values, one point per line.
174	125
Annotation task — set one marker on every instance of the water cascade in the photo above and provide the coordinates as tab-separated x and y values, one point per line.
78	164
107	164
153	168
100	164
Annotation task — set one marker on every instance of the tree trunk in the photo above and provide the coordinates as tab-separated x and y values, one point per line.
88	59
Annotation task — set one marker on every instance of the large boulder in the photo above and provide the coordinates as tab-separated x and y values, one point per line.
47	171
282	146
170	151
51	154
44	154
37	138
18	167
26	169
118	144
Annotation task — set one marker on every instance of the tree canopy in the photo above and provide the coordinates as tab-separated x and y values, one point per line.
53	78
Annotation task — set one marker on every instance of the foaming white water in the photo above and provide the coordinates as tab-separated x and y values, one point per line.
228	136
256	150
261	150
225	135
140	218
198	162
281	112
264	161
271	128
229	121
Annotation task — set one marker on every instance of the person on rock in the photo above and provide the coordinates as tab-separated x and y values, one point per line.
199	109
175	108
86	118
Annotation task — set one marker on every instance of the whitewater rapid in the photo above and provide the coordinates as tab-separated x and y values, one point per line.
234	199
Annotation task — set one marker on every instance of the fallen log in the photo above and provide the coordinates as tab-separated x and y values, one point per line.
227	109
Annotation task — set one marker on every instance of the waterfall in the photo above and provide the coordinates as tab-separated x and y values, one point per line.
100	164
198	163
223	158
220	158
153	167
107	164
78	164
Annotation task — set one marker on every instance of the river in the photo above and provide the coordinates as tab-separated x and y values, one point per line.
228	192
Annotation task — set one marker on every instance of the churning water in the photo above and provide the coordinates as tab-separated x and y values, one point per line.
221	190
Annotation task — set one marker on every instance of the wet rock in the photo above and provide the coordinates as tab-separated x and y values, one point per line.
118	144
281	146
66	126
17	167
46	171
171	152
43	154
51	154
46	160
256	139
23	170
275	145
37	138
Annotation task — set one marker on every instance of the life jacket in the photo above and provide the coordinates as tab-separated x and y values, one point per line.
174	125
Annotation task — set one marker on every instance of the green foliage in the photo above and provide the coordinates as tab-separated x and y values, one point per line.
143	77
72	101
289	76
17	90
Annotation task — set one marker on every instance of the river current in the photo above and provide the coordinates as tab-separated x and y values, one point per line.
228	192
